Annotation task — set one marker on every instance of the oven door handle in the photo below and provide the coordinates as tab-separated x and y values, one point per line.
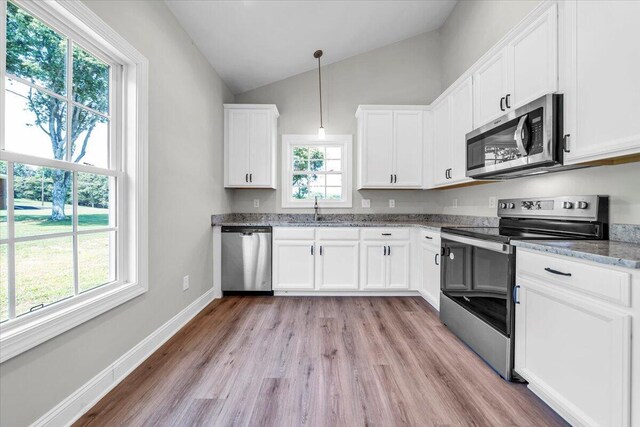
518	135
479	243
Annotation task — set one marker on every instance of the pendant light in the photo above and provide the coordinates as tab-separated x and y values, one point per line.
317	54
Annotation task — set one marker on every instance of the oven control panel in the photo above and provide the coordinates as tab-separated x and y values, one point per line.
578	207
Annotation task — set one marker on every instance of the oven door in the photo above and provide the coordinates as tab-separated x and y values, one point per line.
479	275
522	139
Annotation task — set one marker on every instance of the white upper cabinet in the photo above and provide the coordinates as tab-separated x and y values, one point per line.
523	70
490	89
250	134
452	120
600	77
390	146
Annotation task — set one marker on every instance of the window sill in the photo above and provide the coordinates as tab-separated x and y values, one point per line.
22	334
321	205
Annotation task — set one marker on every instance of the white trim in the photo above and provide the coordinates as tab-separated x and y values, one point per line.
271	107
74	406
20	334
314	293
346	142
430	299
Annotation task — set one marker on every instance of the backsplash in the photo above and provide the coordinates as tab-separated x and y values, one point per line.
629	233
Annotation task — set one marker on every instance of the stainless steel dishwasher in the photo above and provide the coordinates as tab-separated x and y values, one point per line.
246	260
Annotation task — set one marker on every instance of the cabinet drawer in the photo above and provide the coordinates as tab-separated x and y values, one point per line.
337	233
293	233
385	233
601	282
429	237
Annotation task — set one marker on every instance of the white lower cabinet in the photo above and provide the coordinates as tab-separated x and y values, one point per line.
337	265
430	274
385	265
293	265
574	349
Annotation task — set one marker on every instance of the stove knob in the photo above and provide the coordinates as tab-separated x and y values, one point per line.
503	206
582	205
511	206
567	205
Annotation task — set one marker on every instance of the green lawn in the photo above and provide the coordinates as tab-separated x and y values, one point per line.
44	268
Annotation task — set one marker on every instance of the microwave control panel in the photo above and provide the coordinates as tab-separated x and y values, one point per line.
537	131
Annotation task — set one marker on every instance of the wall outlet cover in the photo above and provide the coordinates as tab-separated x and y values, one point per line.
366	203
392	203
455	203
185	283
256	203
492	202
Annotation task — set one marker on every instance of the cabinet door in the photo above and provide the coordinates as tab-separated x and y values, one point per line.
376	149
293	264
489	87
237	130
372	265
337	265
430	274
601	100
533	60
398	273
461	120
261	153
574	351
407	142
441	148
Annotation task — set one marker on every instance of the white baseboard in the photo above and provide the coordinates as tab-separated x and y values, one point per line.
83	399
346	293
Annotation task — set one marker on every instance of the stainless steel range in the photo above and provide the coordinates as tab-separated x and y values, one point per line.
478	292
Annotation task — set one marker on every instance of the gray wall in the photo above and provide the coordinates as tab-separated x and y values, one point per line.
407	72
185	188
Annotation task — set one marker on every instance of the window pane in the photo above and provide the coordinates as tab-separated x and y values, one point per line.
94	260
93	200
89	138
334	165
3	200
317	165
316	153
44	272
334	153
35	123
90	80
34	51
334	193
301	153
300	192
42	200
316	192
300	180
4	284
334	180
317	180
300	164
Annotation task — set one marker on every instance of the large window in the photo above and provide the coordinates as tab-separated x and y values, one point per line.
71	166
315	169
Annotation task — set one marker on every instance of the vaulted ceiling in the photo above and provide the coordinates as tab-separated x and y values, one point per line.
256	42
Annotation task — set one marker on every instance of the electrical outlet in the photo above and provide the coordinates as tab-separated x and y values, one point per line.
455	203
366	203
256	203
492	202
185	283
392	203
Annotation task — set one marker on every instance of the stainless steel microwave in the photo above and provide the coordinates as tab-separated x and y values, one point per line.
525	141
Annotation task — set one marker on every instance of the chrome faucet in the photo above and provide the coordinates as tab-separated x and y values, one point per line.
316	208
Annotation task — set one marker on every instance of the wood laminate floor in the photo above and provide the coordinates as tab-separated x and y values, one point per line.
317	361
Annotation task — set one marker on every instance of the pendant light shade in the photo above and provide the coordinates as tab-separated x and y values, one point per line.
317	54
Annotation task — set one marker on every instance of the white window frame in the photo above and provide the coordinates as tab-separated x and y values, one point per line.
129	147
344	141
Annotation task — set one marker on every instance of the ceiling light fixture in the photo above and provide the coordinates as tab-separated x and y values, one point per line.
317	54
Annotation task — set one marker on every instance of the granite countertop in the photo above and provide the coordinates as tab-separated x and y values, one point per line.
431	225
609	252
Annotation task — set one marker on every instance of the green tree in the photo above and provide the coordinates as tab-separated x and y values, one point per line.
37	53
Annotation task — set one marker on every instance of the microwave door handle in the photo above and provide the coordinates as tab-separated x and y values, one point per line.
518	135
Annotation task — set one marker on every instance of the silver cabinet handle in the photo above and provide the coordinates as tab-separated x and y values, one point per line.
515	294
565	143
519	137
435	259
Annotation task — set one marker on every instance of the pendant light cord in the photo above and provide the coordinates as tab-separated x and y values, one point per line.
320	89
